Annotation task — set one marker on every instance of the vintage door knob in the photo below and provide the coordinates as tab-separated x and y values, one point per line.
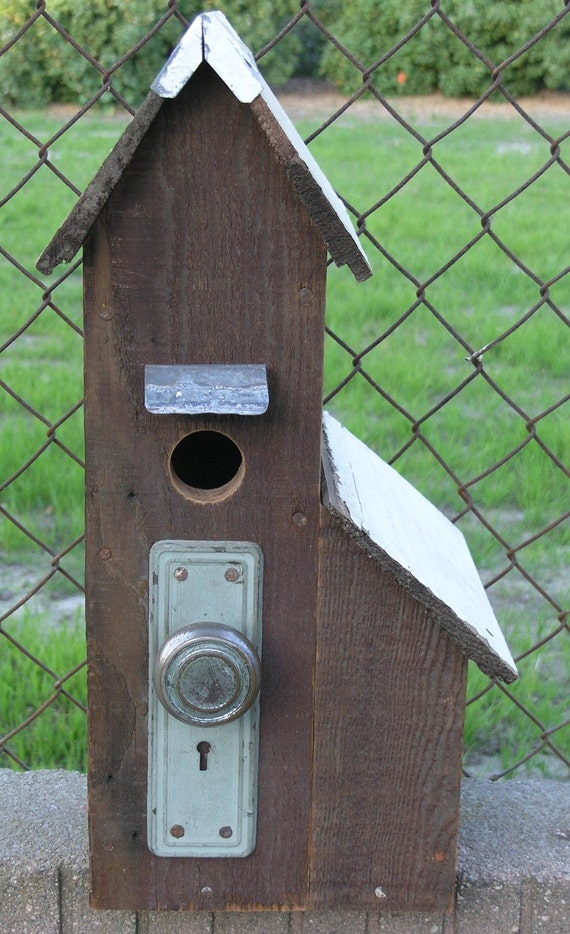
207	673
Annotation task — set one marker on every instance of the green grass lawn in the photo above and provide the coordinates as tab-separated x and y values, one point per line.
417	364
57	738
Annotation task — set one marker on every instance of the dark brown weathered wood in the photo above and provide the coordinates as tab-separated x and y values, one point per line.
389	702
342	248
202	254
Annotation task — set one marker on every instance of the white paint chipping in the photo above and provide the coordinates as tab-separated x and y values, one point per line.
182	63
210	38
402	525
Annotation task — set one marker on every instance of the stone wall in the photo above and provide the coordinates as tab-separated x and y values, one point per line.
513	872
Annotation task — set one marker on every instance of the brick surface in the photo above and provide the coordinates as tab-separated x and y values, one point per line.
335	922
77	917
174	922
418	922
545	909
260	922
492	909
29	903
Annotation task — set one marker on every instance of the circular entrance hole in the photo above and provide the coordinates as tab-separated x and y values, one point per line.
208	465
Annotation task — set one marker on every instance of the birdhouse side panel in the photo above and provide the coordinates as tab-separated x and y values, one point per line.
390	698
203	255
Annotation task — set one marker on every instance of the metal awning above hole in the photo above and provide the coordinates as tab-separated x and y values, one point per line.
214	389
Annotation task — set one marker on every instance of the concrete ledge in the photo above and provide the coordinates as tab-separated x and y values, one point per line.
514	869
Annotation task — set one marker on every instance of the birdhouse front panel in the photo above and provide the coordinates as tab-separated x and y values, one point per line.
203	257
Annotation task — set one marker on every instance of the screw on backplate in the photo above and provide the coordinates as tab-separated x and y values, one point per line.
181	574
105	554
177	831
231	575
226	832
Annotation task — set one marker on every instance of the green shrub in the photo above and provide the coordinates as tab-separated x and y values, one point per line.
42	67
435	59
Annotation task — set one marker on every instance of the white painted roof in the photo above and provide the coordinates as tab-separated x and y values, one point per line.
412	539
210	38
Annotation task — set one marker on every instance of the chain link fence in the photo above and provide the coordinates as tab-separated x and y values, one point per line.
474	413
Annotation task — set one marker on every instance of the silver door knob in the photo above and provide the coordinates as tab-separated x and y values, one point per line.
207	673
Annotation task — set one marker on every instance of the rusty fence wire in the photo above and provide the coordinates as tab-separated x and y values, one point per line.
472	413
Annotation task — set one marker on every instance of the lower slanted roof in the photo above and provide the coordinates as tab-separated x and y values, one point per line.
413	540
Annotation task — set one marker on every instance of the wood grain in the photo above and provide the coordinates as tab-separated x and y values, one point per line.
389	699
203	254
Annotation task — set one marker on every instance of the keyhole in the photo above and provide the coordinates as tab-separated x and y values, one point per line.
203	748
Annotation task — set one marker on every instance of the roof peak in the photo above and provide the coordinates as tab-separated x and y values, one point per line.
212	40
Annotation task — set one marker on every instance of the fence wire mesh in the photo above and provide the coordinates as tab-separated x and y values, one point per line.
452	364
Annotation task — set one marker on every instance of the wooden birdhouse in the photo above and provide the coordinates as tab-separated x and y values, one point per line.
278	624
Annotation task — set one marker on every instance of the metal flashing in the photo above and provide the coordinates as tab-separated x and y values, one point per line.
215	389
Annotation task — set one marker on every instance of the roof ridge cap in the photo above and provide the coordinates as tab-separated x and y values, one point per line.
211	38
